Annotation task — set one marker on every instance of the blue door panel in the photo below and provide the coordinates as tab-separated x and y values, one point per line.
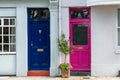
38	43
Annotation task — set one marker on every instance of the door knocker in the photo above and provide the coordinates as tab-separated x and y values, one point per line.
39	31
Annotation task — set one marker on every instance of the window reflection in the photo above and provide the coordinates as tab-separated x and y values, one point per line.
80	34
36	13
79	14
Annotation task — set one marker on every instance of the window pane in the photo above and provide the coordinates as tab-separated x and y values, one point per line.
12	48
12	39
80	14
5	39
0	39
6	21
0	21
6	48
0	48
80	34
0	30
12	30
119	37
39	13
118	17
12	21
5	30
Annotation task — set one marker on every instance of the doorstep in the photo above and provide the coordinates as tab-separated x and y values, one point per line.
38	73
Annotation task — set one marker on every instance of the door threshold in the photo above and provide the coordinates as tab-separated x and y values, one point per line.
80	73
38	73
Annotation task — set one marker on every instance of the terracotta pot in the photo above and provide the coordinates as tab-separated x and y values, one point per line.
65	73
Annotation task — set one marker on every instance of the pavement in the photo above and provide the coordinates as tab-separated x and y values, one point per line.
59	78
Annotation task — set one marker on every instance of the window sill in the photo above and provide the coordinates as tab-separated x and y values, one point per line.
117	51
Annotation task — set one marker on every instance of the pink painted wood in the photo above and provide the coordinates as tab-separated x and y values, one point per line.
80	58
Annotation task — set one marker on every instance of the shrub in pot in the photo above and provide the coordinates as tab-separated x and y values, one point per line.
66	50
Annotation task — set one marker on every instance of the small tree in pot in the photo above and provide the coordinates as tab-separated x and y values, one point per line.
66	50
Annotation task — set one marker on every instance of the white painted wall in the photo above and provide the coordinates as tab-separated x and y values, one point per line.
105	62
75	3
64	28
7	65
102	2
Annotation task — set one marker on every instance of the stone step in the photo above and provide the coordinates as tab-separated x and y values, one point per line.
80	73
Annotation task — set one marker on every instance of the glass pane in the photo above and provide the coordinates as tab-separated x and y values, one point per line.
12	30
6	48
0	30
79	14
80	34
5	39
37	13
12	48
0	48
119	17
12	21
119	37
5	30
0	39
12	39
0	21
6	21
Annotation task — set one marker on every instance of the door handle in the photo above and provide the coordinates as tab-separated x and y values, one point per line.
80	48
40	50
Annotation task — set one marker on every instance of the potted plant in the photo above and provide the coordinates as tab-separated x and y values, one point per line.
66	50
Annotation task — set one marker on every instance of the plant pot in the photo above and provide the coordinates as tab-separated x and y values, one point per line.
65	73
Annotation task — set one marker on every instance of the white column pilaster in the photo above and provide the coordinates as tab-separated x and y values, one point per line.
21	41
54	32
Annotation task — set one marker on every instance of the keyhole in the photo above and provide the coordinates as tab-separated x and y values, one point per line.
40	40
31	44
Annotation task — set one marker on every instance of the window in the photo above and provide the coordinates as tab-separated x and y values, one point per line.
80	34
118	29
79	14
7	36
37	13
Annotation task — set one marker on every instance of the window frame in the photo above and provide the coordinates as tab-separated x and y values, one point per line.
10	26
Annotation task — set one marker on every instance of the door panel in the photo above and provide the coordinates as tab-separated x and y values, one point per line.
39	42
80	41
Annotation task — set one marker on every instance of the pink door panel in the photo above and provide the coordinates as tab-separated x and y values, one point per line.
80	39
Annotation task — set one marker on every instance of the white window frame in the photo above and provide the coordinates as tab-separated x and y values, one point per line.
2	25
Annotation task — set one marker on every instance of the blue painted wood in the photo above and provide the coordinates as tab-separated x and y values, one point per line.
38	42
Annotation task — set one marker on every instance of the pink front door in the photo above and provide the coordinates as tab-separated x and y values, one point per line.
80	39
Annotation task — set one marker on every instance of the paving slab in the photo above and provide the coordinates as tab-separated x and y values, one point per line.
59	78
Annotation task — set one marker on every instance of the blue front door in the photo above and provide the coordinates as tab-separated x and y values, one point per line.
38	39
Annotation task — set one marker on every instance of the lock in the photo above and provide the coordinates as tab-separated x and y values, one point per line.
31	44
